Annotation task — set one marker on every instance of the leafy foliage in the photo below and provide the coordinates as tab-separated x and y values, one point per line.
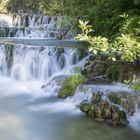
125	45
96	43
136	85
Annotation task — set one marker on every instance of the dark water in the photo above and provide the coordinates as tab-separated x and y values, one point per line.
22	118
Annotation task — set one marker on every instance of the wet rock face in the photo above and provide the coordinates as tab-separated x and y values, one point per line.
106	110
100	65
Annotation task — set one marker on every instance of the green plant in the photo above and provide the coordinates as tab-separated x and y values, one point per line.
97	43
128	46
125	46
136	85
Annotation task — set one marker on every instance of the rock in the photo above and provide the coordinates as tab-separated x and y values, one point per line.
98	112
82	53
92	57
97	97
104	56
61	61
113	73
118	116
98	80
2	32
52	35
70	84
95	68
114	99
126	100
59	51
103	110
85	107
120	73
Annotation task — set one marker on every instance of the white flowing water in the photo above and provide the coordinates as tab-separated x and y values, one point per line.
29	110
31	26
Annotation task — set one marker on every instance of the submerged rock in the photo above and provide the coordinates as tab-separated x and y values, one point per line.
70	84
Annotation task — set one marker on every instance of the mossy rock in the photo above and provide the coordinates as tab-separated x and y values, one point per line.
92	57
85	107
82	53
97	97
126	100
103	110
114	98
113	73
60	51
70	84
118	116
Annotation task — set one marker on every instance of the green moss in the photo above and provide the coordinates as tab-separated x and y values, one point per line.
101	110
70	84
136	85
85	107
113	73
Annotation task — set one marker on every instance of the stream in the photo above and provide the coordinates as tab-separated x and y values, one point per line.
29	111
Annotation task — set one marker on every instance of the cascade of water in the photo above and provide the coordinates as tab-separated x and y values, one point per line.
5	20
30	26
33	63
26	63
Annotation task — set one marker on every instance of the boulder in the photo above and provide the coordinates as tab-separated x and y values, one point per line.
127	101
70	84
95	68
104	110
82	53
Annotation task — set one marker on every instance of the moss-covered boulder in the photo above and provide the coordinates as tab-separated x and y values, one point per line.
114	99
113	73
127	101
82	53
85	107
118	116
95	68
97	97
70	84
103	110
120	72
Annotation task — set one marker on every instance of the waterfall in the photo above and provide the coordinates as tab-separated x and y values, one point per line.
30	62
26	68
24	62
5	20
31	26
